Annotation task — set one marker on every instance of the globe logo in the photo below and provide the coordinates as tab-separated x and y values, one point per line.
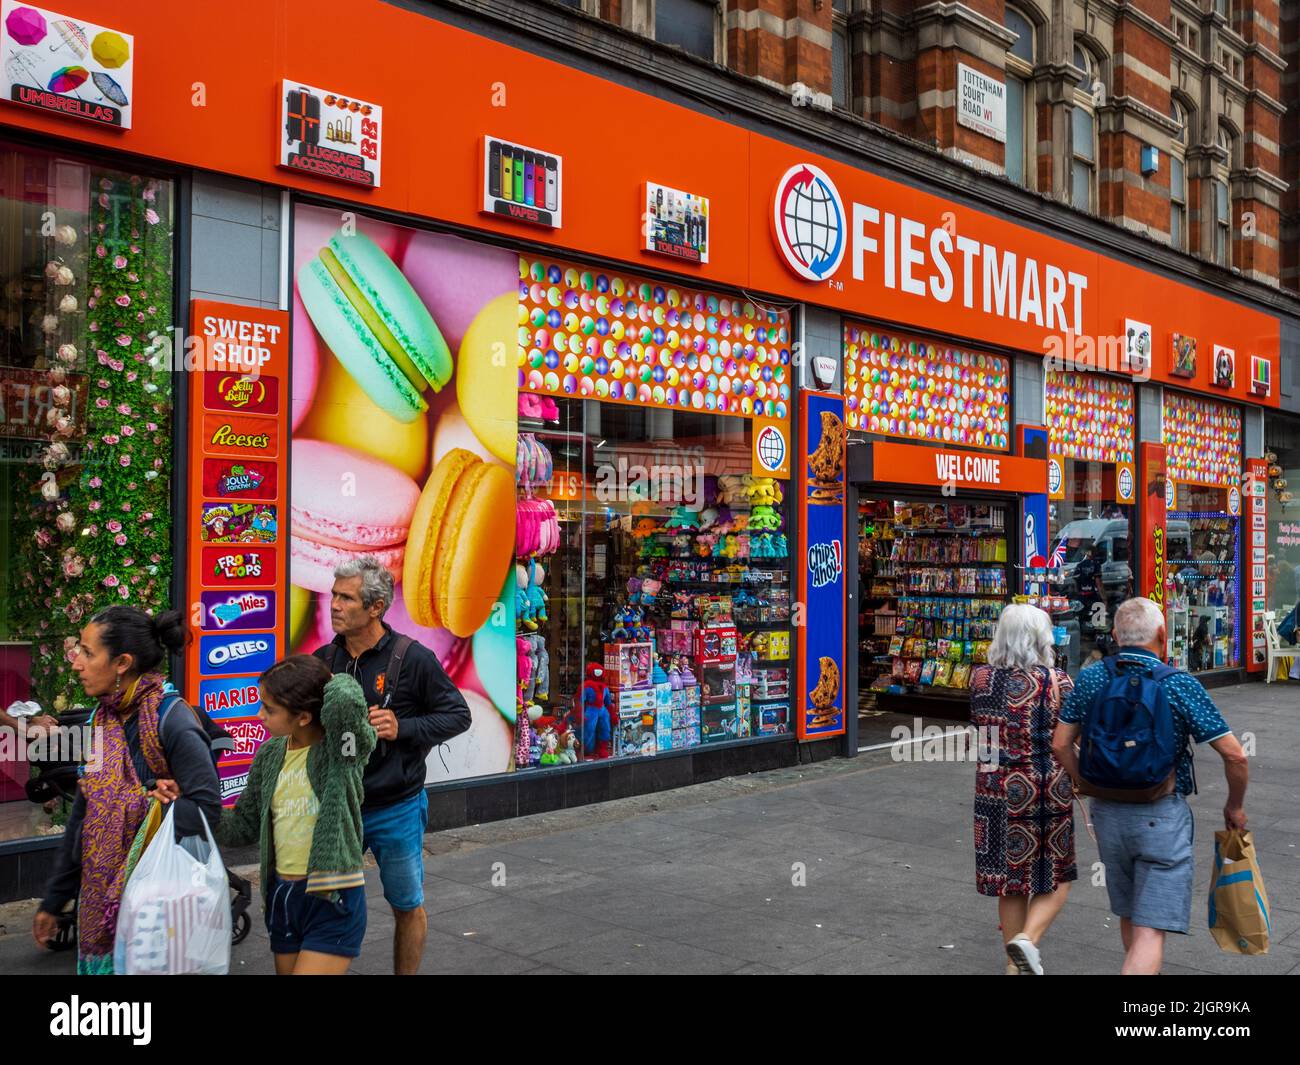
809	218
771	448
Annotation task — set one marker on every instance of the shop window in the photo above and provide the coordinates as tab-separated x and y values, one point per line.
86	439
901	385
1090	421
691	25
583	544
1203	463
1282	452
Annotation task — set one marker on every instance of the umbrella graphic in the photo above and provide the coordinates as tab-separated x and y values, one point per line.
66	79
74	37
110	49
26	25
109	88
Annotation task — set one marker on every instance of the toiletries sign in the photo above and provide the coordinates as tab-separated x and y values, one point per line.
66	65
522	183
330	135
676	223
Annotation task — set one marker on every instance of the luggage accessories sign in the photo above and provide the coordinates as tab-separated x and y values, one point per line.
981	103
330	135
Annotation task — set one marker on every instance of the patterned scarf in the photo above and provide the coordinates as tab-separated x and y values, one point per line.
116	805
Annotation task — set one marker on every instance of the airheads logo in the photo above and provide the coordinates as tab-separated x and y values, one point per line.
825	563
809	221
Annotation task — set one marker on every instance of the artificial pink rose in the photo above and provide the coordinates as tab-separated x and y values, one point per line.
111	438
124	409
155	559
139	316
52	415
73	567
119	262
61	395
151	216
98	291
131	376
58	374
136	249
158	464
127	431
52	269
150	194
132	277
95	504
102	356
126	507
103	381
120	539
101	403
43	537
111	581
123	300
123	341
63	425
103	200
93	327
95	482
100	227
65	235
124	460
124	591
91	303
100	252
68	304
64	276
65	522
151	427
105	183
128	562
117	364
114	525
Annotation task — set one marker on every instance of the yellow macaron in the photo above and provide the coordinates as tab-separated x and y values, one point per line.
461	543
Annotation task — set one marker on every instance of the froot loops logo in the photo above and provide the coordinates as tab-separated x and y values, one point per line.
808	216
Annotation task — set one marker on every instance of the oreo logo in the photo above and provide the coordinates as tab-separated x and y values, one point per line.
236	653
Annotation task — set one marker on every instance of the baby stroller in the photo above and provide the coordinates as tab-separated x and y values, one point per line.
58	781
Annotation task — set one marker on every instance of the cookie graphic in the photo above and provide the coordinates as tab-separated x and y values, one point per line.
827	691
826	463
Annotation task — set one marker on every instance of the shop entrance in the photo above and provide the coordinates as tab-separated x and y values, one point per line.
934	573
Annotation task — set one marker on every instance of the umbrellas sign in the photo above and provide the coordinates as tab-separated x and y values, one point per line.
49	60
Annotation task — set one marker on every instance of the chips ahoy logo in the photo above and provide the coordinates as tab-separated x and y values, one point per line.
808	216
825	563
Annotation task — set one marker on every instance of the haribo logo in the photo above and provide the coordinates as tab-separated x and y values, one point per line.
825	562
808	215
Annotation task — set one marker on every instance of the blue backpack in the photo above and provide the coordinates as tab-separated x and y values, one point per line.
1128	748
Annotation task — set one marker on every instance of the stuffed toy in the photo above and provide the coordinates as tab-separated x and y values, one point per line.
523	737
550	747
764	517
683	518
524	614
568	748
596	706
536	594
708	517
645	527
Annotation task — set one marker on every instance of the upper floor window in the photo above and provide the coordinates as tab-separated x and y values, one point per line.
1019	99
1083	129
692	25
1024	46
841	53
1224	8
1178	179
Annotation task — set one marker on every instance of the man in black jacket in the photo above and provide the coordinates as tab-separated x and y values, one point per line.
411	716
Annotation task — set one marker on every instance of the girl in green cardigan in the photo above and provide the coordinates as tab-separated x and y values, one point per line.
303	805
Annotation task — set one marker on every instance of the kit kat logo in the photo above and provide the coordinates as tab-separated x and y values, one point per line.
825	562
241	393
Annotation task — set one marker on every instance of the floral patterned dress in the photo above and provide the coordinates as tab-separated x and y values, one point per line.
1024	815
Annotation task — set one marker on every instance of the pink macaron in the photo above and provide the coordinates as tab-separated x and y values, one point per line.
344	505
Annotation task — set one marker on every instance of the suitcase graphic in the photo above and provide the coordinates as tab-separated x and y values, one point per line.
304	117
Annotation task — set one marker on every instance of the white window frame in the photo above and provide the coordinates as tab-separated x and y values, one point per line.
1023	72
1083	99
1178	196
639	17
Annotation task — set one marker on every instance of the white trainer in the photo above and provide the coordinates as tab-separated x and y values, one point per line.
1022	951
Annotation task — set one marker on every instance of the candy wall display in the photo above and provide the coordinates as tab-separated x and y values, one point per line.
1202	440
896	384
403	447
618	337
1089	417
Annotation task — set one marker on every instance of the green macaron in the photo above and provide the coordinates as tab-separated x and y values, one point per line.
377	327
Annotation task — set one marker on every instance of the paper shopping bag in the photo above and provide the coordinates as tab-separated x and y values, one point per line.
1239	917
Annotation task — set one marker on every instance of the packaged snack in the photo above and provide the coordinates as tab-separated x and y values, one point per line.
942	674
927	671
960	675
913	671
896	645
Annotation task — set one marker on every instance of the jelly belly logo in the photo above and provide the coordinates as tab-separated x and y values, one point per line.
231	697
825	563
240	480
236	654
248	610
226	566
808	219
241	393
230	434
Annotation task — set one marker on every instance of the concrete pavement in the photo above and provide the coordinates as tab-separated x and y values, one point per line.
849	866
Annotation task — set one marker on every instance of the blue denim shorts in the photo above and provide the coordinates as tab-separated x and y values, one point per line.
1146	849
297	921
395	835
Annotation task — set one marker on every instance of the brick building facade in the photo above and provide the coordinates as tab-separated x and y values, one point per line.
1166	117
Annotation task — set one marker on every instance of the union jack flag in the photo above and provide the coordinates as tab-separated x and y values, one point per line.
1057	559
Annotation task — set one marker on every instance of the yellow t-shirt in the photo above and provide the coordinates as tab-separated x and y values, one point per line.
293	814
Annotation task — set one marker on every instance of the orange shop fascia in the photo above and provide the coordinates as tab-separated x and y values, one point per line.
207	95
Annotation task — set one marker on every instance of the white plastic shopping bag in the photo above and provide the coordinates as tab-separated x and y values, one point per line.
175	914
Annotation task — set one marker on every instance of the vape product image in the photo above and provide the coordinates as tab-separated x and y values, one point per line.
520	162
494	169
530	165
552	184
539	181
507	172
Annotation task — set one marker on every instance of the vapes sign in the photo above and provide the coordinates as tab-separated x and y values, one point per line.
330	135
522	183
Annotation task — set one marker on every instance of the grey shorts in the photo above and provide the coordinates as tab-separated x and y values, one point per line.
1146	849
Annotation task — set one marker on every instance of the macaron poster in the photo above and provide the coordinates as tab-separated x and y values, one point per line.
404	421
63	64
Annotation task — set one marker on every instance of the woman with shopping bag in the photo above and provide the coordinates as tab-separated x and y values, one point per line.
118	658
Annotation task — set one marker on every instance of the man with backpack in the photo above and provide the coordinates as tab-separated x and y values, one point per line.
1133	718
413	707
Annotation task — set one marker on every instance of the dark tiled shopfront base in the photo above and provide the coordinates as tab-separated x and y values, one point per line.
26	864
